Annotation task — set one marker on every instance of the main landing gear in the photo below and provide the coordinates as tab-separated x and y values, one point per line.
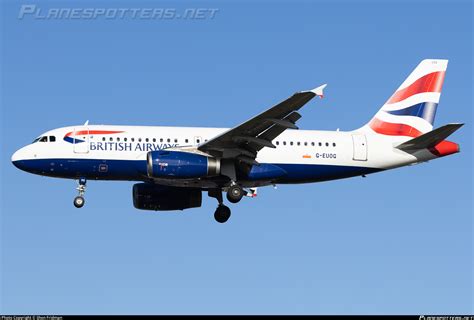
234	195
222	213
79	200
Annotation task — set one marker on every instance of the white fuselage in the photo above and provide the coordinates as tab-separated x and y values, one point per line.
107	152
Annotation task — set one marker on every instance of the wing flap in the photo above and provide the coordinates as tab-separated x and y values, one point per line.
277	129
258	141
284	123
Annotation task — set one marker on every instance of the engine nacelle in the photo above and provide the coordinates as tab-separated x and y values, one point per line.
147	196
178	164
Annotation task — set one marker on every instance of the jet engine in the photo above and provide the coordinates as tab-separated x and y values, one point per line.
178	164
147	196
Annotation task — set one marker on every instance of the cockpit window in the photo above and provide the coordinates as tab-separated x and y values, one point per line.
45	139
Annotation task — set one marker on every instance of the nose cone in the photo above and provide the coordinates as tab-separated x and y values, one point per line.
16	156
18	159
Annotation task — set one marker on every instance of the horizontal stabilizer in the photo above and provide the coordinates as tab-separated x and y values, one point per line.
431	138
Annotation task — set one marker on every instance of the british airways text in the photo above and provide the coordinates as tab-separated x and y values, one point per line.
129	146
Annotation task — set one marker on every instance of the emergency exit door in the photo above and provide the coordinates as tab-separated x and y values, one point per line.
81	139
360	147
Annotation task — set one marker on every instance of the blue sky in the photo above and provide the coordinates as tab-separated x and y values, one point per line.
396	242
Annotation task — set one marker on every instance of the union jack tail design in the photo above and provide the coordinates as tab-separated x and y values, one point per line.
411	110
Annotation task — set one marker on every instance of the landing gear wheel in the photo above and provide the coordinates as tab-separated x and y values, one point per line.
235	193
222	214
79	202
81	189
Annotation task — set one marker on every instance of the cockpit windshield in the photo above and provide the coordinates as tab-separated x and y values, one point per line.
45	139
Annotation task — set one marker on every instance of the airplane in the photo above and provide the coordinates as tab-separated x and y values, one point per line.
175	165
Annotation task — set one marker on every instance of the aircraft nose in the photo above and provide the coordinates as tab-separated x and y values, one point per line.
16	156
18	159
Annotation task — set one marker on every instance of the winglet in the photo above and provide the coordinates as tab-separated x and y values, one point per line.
319	91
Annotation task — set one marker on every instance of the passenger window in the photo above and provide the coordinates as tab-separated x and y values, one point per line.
133	139
298	143
175	140
327	144
118	139
198	140
284	143
103	138
154	139
305	144
146	140
52	138
277	143
125	139
320	144
139	139
333	144
186	140
111	139
291	143
312	143
168	140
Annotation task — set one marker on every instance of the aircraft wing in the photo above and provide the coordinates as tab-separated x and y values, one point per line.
244	141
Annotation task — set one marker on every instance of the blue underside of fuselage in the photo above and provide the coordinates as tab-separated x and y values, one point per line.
135	170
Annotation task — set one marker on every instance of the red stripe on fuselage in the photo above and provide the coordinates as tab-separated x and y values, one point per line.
393	129
83	132
432	82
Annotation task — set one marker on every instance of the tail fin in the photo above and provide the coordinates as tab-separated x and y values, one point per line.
411	110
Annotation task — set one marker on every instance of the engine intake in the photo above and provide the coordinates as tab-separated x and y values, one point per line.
178	164
147	196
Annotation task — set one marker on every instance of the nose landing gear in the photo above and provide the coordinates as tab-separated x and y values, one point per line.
79	200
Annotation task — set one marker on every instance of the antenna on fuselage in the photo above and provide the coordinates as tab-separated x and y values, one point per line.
86	123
